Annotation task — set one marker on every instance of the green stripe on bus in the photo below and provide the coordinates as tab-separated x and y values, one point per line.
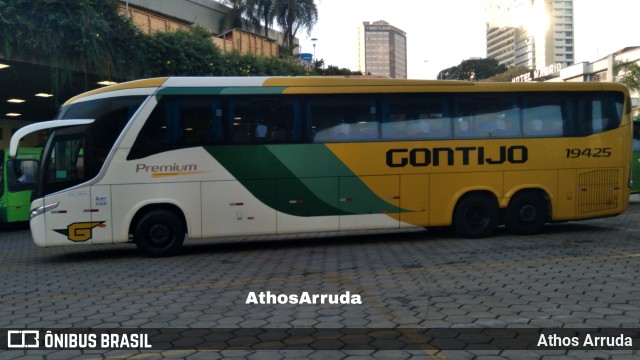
307	181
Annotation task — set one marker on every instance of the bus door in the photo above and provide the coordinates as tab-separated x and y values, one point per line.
66	165
70	220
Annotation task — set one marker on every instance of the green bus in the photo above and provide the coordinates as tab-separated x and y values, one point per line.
17	180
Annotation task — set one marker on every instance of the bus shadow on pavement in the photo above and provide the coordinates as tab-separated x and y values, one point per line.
16	226
227	245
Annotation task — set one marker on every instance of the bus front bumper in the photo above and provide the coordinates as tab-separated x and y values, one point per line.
38	230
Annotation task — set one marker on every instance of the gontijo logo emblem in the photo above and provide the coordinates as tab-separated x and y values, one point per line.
80	231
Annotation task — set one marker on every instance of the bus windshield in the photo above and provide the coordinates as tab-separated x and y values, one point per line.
74	155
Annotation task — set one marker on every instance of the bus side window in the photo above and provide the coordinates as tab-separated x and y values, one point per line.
264	119
179	122
343	118
196	123
542	116
414	117
605	112
217	134
462	128
597	125
487	115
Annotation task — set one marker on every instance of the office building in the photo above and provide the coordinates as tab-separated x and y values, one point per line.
382	50
531	33
604	69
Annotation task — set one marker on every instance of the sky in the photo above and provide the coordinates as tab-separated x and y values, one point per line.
443	33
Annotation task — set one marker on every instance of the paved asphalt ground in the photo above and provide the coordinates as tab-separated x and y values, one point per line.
580	275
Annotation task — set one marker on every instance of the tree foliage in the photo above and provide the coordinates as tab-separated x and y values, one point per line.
251	65
234	19
294	15
182	53
331	70
508	75
261	12
89	35
629	74
473	69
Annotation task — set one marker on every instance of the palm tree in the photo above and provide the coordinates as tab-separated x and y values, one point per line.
234	18
261	12
293	15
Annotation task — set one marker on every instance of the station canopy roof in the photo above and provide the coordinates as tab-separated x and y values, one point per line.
32	92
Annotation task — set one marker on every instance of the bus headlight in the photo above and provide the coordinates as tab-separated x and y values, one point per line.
43	209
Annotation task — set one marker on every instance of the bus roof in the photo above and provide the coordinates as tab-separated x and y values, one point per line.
325	82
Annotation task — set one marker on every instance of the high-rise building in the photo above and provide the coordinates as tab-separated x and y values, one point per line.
531	33
382	50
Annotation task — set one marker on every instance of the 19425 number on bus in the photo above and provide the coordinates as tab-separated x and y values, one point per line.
588	152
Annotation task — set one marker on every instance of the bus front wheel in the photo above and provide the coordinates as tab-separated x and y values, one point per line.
526	214
159	233
475	216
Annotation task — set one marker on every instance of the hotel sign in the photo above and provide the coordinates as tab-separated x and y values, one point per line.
538	74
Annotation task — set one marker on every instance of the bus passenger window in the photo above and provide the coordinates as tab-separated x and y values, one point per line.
343	118
177	122
462	128
415	117
487	116
605	112
533	128
542	116
263	119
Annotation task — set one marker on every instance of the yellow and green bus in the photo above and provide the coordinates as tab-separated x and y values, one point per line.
17	179
157	160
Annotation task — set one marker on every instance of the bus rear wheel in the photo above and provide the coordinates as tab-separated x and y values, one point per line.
475	216
159	233
526	214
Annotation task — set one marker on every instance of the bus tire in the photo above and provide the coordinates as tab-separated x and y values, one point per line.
475	216
526	214
159	233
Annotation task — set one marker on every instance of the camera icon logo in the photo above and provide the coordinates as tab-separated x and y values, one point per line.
23	339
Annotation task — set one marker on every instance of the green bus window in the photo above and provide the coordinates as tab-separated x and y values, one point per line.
21	175
2	172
